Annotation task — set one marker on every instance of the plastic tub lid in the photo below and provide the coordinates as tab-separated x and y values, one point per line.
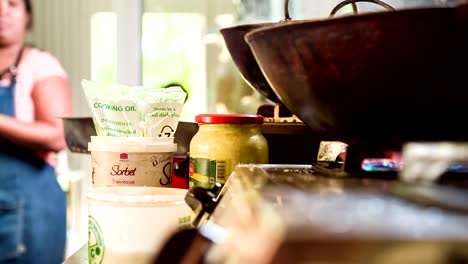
110	139
132	144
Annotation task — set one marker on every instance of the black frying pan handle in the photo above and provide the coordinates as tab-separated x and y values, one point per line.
203	201
353	2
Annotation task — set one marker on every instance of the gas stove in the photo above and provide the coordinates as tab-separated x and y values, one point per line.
308	213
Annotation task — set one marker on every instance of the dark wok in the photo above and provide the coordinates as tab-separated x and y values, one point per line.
244	60
384	78
243	57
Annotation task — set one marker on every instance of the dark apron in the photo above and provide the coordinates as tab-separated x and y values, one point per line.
32	204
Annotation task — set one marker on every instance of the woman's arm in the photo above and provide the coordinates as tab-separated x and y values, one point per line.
52	100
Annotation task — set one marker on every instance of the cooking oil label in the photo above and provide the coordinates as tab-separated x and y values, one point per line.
95	242
205	172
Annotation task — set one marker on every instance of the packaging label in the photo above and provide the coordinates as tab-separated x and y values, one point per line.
95	242
131	169
115	118
205	172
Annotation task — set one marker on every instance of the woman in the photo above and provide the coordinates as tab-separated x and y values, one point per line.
34	93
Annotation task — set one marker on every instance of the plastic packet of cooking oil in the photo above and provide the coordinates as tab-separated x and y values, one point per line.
158	109
126	111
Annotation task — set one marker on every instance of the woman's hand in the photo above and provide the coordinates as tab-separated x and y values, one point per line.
52	100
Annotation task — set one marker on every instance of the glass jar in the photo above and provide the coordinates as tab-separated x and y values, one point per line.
222	142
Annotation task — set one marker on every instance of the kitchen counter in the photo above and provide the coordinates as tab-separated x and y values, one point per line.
79	257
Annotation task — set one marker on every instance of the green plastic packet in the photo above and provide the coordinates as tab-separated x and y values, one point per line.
126	111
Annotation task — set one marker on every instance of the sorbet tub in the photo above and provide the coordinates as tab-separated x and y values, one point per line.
131	161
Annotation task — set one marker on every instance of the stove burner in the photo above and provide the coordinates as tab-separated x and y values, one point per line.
386	165
458	168
389	165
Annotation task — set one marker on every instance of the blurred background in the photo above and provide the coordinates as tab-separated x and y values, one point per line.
155	43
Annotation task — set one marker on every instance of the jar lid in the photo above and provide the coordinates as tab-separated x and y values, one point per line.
229	119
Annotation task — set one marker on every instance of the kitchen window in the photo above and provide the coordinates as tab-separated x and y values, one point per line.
104	47
173	52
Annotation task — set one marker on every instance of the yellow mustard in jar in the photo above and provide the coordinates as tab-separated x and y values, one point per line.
222	142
